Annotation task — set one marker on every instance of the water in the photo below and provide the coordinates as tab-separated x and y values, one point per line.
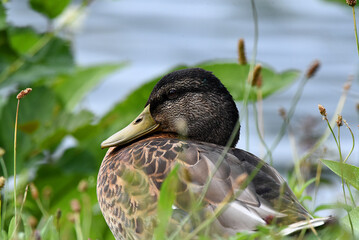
153	36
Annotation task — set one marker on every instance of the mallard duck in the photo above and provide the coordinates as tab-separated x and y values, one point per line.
188	120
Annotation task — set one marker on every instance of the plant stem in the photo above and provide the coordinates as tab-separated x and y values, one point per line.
355	29
15	141
3	213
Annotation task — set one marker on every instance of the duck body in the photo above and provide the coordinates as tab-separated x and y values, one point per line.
188	121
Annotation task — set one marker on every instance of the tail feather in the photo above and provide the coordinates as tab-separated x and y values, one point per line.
306	224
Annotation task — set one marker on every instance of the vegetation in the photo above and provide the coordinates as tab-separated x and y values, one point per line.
55	155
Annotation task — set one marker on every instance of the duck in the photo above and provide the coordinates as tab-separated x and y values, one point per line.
191	120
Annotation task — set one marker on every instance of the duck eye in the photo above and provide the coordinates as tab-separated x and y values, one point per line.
172	94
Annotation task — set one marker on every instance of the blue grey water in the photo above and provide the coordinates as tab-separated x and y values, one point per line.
154	36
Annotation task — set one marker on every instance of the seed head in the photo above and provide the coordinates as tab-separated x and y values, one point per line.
241	52
75	205
32	222
83	186
58	214
322	111
23	93
282	113
257	77
2	152
313	69
2	182
339	121
34	191
351	3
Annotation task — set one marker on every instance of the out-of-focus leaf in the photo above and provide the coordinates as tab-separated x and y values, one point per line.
48	231
354	215
79	161
349	172
234	77
2	17
11	228
52	59
165	202
50	9
22	39
343	2
72	88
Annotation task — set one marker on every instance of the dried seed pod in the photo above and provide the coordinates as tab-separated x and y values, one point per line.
313	69
351	3
23	93
242	59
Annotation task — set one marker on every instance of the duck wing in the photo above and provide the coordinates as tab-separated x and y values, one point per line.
264	198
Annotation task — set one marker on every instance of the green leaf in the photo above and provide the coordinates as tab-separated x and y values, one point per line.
234	77
349	172
2	17
72	88
11	228
22	39
48	231
354	216
165	202
54	58
342	2
50	9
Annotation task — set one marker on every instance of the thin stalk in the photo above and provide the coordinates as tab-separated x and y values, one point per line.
250	73
337	141
15	141
3	213
353	140
327	132
261	138
355	29
79	235
290	114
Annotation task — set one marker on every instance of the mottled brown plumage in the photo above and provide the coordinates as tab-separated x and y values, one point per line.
192	117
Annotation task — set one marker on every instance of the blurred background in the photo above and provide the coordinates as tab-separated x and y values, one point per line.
143	40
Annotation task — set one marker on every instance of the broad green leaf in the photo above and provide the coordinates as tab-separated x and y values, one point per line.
235	77
349	172
2	17
22	39
165	202
72	88
11	227
354	216
50	9
53	58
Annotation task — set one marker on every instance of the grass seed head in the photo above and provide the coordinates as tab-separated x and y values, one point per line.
351	3
322	111
58	214
75	205
83	186
34	191
23	93
257	77
339	121
2	182
242	59
313	69
2	152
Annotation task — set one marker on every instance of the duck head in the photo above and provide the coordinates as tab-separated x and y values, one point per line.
191	103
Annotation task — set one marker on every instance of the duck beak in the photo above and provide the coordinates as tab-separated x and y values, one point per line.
142	125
